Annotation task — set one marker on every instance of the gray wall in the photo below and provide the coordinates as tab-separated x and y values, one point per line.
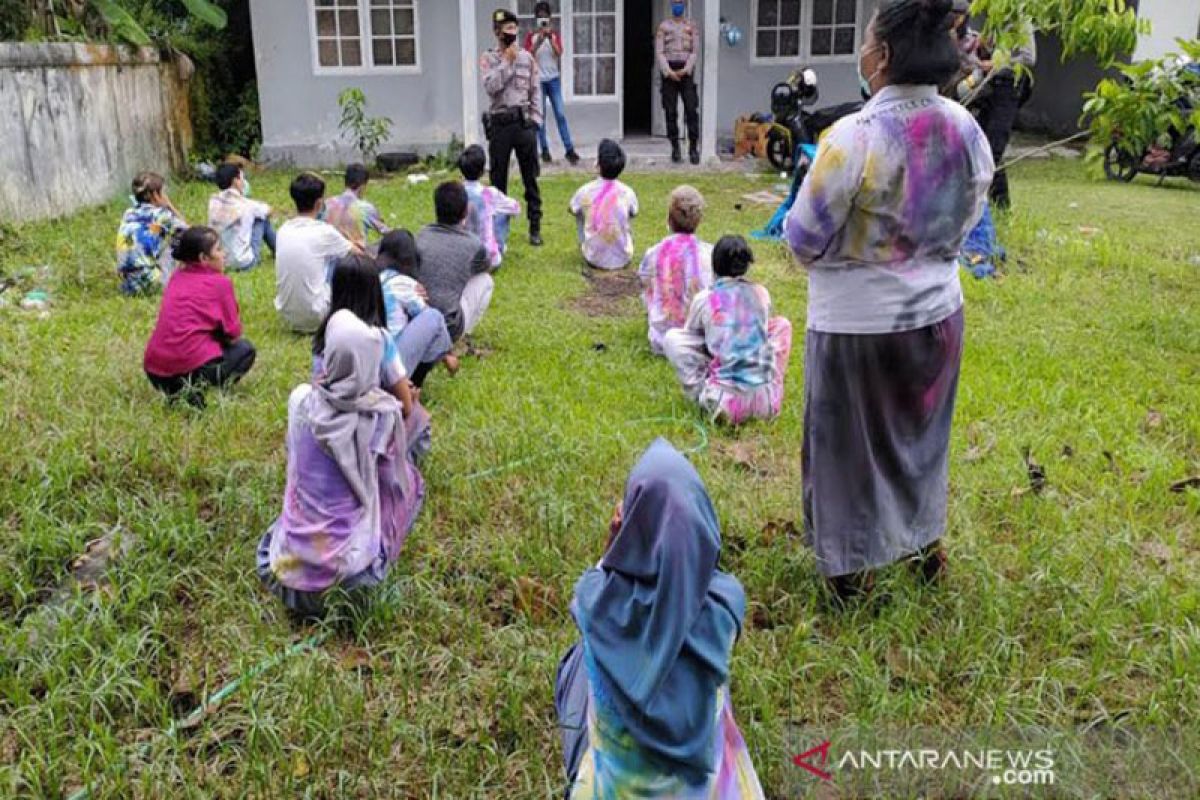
300	111
1058	89
77	122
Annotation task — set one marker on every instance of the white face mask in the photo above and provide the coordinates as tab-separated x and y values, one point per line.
864	83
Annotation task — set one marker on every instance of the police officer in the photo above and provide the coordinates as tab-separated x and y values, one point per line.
676	45
510	78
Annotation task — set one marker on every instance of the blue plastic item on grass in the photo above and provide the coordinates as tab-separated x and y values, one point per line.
981	252
804	157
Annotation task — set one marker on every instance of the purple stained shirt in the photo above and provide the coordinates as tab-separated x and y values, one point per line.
605	210
488	215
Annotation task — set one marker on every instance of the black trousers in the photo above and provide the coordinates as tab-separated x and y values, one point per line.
997	118
671	92
235	361
522	139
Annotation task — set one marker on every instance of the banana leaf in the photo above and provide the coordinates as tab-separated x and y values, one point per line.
207	11
121	22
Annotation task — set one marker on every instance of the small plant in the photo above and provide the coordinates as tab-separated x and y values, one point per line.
367	134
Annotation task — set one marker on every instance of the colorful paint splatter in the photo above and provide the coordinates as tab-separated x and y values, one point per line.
604	209
673	272
354	217
488	214
143	248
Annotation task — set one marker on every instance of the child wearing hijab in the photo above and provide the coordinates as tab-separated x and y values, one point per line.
352	493
418	329
643	699
731	355
677	268
355	287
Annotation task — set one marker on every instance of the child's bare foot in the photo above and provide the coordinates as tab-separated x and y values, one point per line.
451	362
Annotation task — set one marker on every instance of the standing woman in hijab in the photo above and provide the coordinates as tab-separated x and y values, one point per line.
352	492
879	224
643	698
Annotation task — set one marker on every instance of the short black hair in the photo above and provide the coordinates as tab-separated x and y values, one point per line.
398	251
450	203
227	173
193	244
472	162
731	257
306	191
542	8
917	33
611	159
356	176
147	184
354	286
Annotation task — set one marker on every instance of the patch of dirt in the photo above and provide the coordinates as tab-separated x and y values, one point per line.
608	293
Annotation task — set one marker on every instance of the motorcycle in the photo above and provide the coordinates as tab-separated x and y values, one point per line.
794	124
1177	158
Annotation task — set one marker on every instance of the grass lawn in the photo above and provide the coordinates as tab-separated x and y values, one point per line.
1072	606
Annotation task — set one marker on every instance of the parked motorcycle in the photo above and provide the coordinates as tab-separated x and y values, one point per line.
794	124
1176	155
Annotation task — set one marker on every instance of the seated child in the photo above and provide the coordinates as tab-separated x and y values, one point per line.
197	341
491	210
731	355
305	253
353	216
243	224
603	210
144	237
454	267
676	268
418	329
347	508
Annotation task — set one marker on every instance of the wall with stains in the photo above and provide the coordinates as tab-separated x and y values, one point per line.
78	121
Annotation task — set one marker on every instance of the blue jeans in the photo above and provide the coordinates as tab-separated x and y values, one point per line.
261	233
552	91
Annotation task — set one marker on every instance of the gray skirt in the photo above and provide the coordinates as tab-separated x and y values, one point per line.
875	459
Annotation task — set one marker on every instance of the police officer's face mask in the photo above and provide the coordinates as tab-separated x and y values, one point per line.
507	39
678	8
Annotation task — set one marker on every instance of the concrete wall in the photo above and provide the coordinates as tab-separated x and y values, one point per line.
77	122
1169	20
300	111
1058	89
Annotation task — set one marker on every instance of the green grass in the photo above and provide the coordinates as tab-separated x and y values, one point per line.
1074	606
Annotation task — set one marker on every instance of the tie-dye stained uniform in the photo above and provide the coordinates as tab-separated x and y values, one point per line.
354	217
880	219
614	767
603	210
731	356
489	213
672	273
144	248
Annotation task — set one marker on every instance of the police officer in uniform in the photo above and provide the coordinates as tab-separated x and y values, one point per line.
510	78
676	45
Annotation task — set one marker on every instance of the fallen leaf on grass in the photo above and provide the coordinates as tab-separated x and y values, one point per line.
1187	483
1088	230
300	768
1153	420
1155	550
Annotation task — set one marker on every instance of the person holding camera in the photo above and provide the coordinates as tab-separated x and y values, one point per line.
510	78
546	45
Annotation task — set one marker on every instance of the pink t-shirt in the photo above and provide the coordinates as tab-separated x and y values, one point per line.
199	314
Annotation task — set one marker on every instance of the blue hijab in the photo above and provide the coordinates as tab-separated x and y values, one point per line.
657	617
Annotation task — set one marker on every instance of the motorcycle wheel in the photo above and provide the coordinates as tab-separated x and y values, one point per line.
779	151
1119	165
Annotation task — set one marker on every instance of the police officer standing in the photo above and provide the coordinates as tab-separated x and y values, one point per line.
676	45
510	78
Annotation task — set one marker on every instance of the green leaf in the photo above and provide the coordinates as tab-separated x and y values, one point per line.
121	22
206	11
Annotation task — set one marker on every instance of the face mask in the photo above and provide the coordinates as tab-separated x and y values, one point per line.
864	83
507	39
245	187
678	8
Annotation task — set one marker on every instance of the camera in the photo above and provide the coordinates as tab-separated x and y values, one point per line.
543	22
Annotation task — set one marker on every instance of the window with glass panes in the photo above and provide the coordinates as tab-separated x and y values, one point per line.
593	48
834	28
788	30
529	23
355	34
777	29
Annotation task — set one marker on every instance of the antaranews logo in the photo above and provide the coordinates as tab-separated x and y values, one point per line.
1005	767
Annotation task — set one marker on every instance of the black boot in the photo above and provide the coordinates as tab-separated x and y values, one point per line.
694	151
676	155
535	235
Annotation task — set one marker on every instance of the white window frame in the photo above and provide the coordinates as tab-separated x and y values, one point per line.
806	31
566	18
364	35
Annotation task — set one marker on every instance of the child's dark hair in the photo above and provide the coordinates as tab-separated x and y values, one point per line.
398	251
731	257
193	244
354	286
227	173
356	176
306	191
611	159
921	49
472	162
450	203
146	185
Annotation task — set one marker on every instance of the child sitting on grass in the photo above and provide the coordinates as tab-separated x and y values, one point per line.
144	237
244	225
731	356
197	341
353	216
677	268
604	209
490	210
418	329
454	266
